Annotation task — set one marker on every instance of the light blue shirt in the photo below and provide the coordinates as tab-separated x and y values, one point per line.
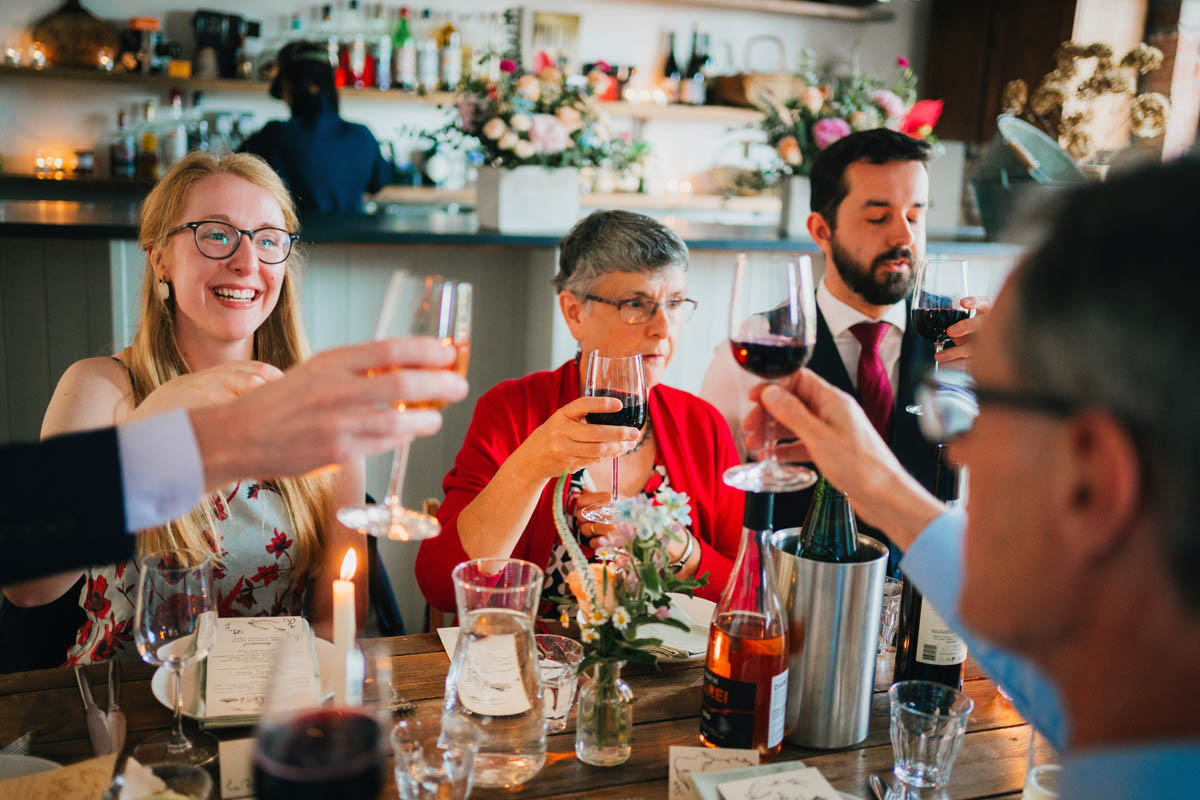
1163	771
162	477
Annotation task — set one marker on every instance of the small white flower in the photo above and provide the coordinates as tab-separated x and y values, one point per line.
597	617
508	141
521	122
524	149
620	618
589	635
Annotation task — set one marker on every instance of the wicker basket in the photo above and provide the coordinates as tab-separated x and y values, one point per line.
750	87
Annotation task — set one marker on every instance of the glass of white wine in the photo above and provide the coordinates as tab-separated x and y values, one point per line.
414	306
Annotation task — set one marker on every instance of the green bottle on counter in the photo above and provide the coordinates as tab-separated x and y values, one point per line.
830	532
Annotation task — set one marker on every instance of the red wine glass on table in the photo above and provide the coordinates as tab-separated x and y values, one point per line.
414	306
624	379
772	332
938	290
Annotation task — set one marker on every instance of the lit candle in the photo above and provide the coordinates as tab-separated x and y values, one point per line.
344	620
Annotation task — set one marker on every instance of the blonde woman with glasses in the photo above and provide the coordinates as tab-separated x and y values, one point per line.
219	315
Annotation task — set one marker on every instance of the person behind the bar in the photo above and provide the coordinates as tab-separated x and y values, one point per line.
622	290
327	162
219	300
1080	546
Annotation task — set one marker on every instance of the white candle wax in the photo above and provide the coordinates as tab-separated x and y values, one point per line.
343	623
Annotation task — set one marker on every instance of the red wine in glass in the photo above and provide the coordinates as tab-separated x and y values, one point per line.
938	290
624	378
320	753
933	322
770	357
631	415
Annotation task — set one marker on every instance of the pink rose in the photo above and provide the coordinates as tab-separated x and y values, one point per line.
827	131
893	106
902	61
813	98
508	65
549	135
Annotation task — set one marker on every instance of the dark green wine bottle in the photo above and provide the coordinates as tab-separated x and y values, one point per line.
830	532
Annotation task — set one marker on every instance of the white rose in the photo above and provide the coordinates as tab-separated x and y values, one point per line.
524	148
509	140
521	122
494	128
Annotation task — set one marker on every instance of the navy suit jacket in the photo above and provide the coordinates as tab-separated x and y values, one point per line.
63	506
909	446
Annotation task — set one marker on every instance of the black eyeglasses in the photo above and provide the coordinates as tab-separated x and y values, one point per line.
221	240
950	403
637	310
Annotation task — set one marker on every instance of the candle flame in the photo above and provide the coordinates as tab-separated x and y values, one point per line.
349	565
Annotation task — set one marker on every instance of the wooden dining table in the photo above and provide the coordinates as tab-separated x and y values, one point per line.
666	712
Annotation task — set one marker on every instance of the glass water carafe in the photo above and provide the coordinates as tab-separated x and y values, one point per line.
493	682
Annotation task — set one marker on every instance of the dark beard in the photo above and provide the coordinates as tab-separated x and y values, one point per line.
877	290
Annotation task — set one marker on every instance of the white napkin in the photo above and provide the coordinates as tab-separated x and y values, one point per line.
138	781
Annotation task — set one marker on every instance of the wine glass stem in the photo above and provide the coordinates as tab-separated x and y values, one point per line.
937	348
399	467
770	438
613	494
178	740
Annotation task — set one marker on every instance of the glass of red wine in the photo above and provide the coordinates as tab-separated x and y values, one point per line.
938	289
621	377
772	331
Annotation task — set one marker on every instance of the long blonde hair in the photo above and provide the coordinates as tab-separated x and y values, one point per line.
155	356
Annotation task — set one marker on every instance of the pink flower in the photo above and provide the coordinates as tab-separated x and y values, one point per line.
921	119
549	135
902	61
508	65
466	115
570	117
829	130
662	612
893	106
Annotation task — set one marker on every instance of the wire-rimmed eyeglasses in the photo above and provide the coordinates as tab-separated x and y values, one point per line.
637	310
216	239
950	401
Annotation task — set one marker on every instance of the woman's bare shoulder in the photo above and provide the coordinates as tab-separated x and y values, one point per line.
92	393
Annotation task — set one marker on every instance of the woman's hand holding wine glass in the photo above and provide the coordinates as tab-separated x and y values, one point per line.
566	442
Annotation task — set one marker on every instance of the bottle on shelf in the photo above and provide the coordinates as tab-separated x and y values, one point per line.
830	532
451	60
197	125
147	165
404	55
122	151
693	85
672	75
173	141
381	48
428	54
746	670
926	648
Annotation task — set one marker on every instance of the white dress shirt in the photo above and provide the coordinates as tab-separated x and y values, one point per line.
162	477
841	317
727	386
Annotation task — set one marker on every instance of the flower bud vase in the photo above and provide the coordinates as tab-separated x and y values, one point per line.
604	725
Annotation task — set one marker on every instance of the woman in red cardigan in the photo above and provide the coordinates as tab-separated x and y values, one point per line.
622	290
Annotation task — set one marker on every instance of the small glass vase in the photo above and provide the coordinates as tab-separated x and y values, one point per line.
604	723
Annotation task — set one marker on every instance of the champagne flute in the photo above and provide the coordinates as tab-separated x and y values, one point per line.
414	306
938	289
175	624
624	379
772	332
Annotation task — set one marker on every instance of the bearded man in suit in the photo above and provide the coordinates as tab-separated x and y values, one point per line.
870	194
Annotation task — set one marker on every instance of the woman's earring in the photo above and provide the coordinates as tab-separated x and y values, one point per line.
163	289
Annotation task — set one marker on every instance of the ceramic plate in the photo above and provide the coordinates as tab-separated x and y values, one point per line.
193	696
17	766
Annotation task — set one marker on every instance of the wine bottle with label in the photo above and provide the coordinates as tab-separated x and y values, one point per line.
746	669
927	649
830	532
672	74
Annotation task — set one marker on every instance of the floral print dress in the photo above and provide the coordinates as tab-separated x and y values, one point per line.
555	581
252	578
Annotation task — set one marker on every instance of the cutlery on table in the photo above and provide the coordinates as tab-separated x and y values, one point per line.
878	788
115	716
18	746
97	722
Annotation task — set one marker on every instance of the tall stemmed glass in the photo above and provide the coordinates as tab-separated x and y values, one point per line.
175	624
938	289
414	306
624	379
772	332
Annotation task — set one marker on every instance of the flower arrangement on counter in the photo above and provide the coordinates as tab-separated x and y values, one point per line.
529	118
1061	103
826	110
628	588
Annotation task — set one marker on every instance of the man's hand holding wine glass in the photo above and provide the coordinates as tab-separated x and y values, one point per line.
962	332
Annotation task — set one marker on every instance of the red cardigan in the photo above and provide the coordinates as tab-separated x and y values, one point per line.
694	444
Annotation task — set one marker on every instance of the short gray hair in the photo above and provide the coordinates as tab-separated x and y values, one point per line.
615	241
1104	317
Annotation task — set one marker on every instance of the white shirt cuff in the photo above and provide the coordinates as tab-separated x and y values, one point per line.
162	477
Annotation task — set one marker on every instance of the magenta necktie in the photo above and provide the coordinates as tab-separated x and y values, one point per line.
874	387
